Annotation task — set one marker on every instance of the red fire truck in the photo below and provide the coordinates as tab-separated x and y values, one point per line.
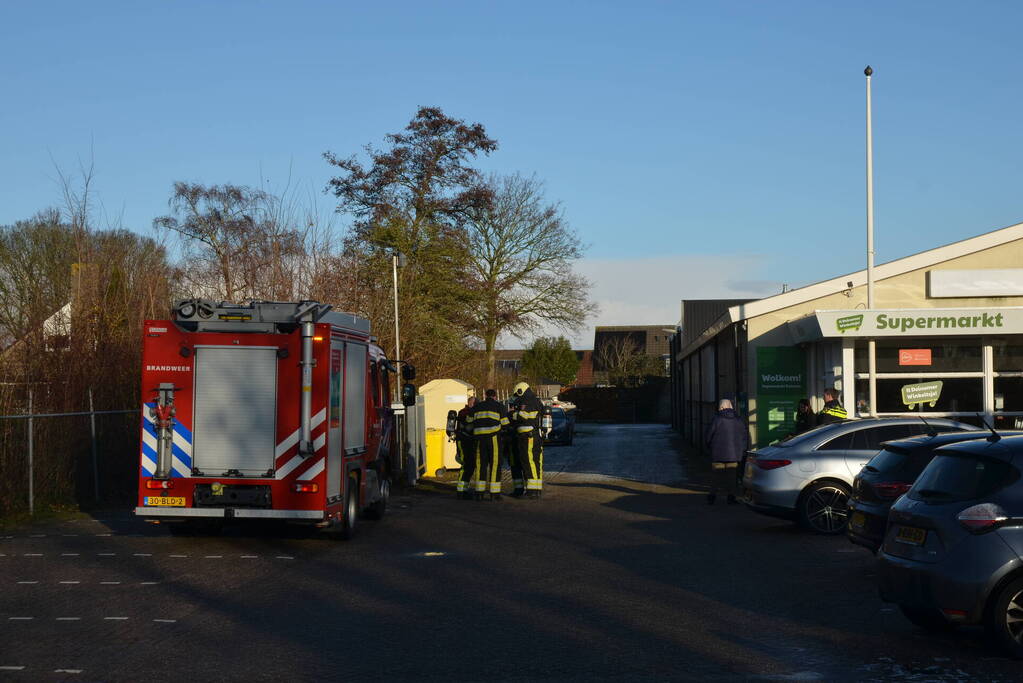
267	410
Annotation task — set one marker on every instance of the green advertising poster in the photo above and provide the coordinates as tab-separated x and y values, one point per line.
781	382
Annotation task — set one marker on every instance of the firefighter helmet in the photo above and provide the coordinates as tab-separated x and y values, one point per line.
520	388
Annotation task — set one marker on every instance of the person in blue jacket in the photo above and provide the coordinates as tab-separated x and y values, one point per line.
727	440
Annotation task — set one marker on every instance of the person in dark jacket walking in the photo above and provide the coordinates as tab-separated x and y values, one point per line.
833	410
727	440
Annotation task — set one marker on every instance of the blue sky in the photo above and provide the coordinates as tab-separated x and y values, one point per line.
701	149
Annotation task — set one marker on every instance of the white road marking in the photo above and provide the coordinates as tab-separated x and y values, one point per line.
166	621
143	554
432	554
179	555
285	557
3	554
104	534
110	583
214	557
27	583
68	671
149	583
37	536
115	618
68	535
249	557
106	554
33	554
69	554
20	618
70	582
69	619
12	668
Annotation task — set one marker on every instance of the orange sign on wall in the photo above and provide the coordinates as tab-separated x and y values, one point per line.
914	356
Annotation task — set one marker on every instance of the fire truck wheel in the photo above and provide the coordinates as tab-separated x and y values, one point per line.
377	509
351	507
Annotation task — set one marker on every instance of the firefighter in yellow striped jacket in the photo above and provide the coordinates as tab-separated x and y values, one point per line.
486	419
525	420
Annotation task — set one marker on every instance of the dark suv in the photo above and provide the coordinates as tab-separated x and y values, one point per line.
953	550
888	475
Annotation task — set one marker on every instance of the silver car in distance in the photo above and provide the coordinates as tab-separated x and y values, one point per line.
807	478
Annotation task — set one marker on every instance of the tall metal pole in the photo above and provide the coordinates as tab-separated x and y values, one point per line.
397	337
31	477
871	344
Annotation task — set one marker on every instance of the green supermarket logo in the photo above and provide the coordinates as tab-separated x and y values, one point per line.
849	322
884	321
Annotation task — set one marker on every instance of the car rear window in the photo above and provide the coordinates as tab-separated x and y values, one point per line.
952	478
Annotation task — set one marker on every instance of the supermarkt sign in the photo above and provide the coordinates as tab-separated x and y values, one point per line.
920	322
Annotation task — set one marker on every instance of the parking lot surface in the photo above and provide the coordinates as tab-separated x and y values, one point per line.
621	572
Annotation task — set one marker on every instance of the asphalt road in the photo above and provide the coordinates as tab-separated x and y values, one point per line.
621	572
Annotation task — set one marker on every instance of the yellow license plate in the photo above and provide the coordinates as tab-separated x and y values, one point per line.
166	501
858	520
911	536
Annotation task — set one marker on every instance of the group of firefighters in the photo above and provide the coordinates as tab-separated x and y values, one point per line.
485	432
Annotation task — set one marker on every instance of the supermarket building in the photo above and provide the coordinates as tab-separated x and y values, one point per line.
947	325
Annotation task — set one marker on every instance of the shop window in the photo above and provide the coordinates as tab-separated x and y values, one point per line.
957	395
1007	357
1009	394
949	354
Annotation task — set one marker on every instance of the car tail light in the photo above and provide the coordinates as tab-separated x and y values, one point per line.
160	484
891	489
307	488
983	517
771	464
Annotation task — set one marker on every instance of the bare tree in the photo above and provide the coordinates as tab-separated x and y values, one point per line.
234	241
522	252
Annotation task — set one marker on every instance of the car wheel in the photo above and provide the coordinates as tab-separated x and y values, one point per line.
824	507
929	619
1005	618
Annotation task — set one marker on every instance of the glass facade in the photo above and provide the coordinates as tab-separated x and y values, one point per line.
950	354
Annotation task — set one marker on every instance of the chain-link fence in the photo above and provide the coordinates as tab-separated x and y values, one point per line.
84	458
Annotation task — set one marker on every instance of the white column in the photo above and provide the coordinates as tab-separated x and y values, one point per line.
849	375
988	356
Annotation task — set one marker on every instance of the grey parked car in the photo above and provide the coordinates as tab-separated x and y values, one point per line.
953	551
808	477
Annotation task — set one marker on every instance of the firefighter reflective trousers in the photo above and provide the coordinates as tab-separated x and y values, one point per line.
511	454
490	459
469	456
530	452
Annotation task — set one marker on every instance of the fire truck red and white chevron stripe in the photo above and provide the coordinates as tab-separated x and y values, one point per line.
286	461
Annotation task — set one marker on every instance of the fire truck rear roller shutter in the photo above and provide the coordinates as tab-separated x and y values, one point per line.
235	409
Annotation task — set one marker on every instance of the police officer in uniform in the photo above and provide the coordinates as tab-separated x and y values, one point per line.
833	410
526	423
468	454
486	420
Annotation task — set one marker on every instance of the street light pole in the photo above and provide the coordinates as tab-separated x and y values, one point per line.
871	344
397	338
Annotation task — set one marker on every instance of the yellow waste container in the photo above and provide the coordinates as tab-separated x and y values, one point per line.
435	440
